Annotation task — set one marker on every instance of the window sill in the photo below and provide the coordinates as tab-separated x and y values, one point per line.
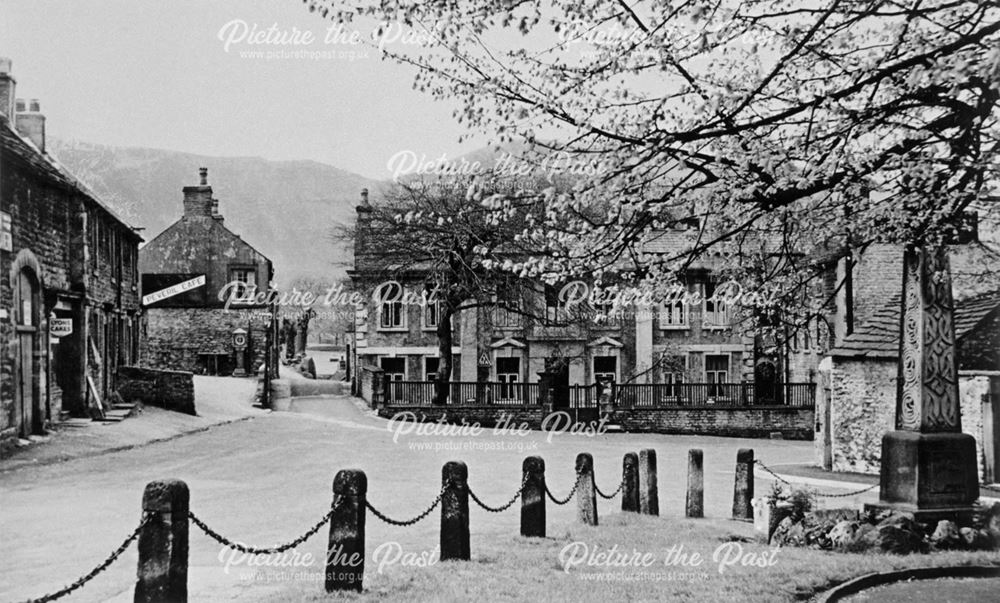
675	327
392	329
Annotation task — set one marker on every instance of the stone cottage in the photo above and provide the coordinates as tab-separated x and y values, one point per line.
68	282
199	281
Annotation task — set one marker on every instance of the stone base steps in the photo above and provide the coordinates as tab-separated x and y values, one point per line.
118	412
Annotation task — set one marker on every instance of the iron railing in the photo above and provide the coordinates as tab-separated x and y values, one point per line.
659	395
630	395
422	393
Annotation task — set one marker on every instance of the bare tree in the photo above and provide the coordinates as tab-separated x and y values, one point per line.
433	231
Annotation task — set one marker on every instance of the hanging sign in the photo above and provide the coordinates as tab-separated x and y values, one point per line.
60	327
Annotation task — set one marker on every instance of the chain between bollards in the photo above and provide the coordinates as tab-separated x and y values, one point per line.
613	494
504	507
278	548
822	494
569	496
409	522
100	568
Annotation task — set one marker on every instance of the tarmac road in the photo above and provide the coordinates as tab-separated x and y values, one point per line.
267	479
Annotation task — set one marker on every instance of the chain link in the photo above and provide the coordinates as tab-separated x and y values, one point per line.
569	496
409	522
819	494
97	570
502	508
613	494
280	548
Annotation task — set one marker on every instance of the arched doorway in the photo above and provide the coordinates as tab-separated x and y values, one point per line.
27	313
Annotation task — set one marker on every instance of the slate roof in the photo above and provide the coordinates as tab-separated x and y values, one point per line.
48	167
879	336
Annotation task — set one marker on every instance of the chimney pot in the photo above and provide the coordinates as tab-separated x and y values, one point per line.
19	105
5	66
34	106
203	173
364	196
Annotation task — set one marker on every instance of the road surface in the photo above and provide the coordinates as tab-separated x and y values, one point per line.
267	479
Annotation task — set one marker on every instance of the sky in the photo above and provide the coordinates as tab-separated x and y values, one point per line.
160	74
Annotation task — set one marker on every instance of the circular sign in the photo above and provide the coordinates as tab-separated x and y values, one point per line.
240	340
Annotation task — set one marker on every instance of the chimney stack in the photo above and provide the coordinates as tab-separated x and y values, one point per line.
365	206
198	200
7	87
30	123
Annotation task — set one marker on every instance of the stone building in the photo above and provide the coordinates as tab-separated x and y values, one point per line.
198	283
681	343
68	282
858	378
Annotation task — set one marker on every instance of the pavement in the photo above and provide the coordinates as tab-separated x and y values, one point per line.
218	400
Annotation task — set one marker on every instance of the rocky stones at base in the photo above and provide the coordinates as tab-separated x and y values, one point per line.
892	532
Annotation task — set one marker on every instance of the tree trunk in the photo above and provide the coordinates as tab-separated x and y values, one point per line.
444	336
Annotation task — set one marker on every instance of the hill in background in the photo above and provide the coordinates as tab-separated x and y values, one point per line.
286	209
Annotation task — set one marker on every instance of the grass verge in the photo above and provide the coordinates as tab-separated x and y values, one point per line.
511	568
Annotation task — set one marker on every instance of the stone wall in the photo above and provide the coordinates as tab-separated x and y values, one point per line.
172	390
755	422
174	337
863	408
486	416
971	389
761	422
371	386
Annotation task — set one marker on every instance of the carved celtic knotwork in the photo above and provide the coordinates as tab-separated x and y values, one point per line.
941	408
928	391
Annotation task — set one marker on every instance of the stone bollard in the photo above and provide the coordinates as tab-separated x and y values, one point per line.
743	492
533	497
345	553
630	475
163	544
694	505
455	512
586	493
649	498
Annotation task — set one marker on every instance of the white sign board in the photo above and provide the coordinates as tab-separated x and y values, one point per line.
173	290
60	327
6	239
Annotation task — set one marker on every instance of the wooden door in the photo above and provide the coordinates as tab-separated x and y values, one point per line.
26	403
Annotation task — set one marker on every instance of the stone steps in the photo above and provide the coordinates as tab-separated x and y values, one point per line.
118	412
